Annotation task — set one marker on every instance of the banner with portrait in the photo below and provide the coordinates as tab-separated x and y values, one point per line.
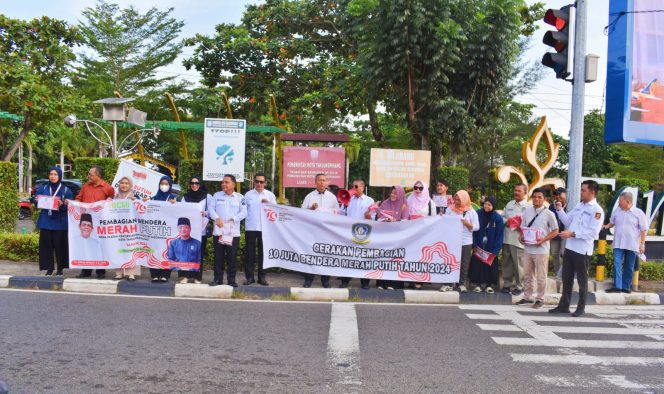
425	250
126	233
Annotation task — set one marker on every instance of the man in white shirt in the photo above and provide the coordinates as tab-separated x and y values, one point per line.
228	210
583	224
540	220
253	233
512	247
629	239
320	200
357	208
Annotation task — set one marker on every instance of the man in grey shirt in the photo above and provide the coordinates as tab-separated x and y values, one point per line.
512	247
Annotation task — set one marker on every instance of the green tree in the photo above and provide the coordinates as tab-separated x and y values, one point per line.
34	60
597	155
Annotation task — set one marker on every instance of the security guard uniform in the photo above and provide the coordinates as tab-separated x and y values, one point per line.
232	209
585	222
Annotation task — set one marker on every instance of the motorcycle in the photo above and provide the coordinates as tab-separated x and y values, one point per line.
24	209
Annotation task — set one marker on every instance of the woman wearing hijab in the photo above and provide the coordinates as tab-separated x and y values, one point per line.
489	238
393	209
164	194
463	210
126	192
196	194
420	203
53	223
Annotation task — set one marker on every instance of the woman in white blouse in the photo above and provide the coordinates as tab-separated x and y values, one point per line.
464	211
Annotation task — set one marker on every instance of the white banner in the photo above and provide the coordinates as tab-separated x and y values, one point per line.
424	250
124	233
223	148
146	181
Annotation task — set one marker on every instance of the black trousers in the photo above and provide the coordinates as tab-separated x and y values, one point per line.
309	279
198	275
253	239
88	273
53	242
159	273
574	263
225	257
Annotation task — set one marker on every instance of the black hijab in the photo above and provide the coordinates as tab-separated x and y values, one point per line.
488	215
196	196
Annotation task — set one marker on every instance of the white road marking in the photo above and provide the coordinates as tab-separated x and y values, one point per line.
343	345
579	343
566	319
499	327
585	359
578	330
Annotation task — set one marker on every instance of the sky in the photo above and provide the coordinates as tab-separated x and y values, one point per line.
552	97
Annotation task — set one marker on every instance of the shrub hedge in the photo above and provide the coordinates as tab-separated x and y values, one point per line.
19	247
8	196
107	164
457	177
504	192
190	168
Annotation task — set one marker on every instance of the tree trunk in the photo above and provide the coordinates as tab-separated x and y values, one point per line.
373	122
27	124
29	164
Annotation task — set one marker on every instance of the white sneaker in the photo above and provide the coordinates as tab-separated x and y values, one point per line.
446	288
380	287
462	289
390	288
198	282
477	289
184	280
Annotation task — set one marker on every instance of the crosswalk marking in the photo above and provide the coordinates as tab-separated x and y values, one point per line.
343	346
565	319
585	359
579	343
578	330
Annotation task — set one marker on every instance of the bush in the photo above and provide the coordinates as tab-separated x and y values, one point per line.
651	270
457	177
19	247
107	164
8	196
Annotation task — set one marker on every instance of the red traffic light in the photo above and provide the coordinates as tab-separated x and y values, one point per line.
557	18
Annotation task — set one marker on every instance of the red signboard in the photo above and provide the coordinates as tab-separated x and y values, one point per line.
301	164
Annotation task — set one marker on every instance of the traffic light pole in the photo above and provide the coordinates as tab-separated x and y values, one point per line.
578	104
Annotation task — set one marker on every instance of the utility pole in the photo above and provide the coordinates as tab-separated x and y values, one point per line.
578	104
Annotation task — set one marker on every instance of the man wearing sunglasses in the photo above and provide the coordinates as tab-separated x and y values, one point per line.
253	233
357	208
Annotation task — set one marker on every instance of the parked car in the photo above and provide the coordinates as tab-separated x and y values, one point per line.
74	185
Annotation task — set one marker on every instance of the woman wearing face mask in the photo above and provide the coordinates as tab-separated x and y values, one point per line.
164	194
197	194
393	209
52	224
126	192
489	238
420	205
463	210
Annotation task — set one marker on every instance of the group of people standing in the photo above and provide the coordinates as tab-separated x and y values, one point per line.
526	232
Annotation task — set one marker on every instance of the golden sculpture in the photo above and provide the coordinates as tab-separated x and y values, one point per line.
529	154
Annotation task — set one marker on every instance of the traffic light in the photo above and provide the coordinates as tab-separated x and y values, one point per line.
561	60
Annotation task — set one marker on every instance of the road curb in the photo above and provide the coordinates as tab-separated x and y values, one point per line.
36	282
308	294
146	288
102	286
375	295
4	280
203	291
430	297
262	293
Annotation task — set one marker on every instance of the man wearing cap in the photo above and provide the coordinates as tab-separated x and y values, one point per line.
583	225
557	244
629	240
86	248
357	208
320	200
184	248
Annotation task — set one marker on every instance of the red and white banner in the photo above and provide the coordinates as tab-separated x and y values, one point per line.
125	233
425	250
301	164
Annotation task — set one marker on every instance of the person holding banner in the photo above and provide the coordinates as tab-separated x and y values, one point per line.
538	227
323	201
357	208
393	209
95	190
126	192
441	199
464	211
198	194
512	247
52	223
164	194
228	210
253	232
420	205
487	242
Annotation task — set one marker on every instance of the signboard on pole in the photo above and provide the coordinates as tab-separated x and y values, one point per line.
302	163
223	148
389	167
145	180
635	73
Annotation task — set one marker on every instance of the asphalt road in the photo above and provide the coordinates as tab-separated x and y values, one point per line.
63	342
